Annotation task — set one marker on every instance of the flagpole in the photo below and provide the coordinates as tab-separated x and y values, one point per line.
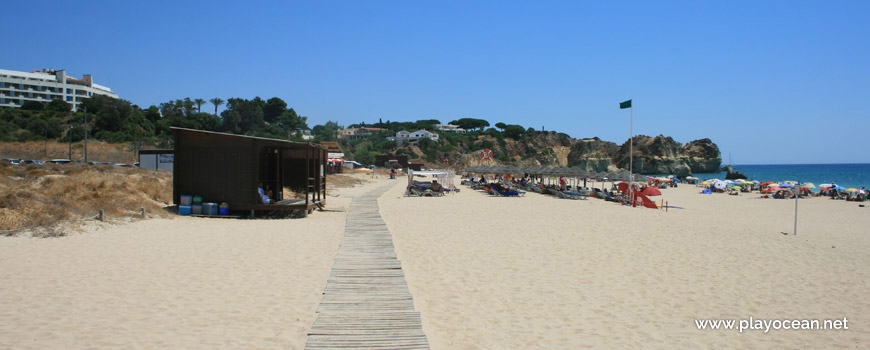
631	153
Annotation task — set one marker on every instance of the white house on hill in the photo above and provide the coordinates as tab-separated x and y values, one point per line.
412	137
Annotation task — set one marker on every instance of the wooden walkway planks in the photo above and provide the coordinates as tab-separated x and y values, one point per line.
366	303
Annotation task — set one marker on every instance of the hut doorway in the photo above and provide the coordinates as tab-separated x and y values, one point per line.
271	172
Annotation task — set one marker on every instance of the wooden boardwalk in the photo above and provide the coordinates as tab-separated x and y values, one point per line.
366	303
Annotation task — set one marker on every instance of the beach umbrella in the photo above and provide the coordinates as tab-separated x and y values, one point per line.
705	183
808	185
826	185
852	189
720	185
838	188
788	185
767	183
735	187
651	191
770	189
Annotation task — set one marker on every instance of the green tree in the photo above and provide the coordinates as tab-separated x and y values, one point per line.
500	125
471	123
58	106
217	102
273	108
152	114
199	102
243	116
514	131
32	106
326	132
187	105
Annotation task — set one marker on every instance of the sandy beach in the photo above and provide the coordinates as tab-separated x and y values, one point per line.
182	283
547	273
484	272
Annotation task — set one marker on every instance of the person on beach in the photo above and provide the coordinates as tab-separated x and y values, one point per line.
436	187
265	195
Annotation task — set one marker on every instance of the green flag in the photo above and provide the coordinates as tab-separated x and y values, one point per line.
624	105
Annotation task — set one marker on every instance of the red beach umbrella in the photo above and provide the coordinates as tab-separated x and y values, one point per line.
770	189
651	191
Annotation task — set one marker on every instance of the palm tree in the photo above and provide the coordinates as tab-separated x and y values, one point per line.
199	102
216	102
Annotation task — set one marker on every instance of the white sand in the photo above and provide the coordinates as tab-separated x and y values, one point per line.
547	273
180	283
485	273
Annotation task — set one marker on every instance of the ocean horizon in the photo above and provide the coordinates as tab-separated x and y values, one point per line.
843	174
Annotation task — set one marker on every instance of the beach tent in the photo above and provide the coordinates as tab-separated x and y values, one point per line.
444	177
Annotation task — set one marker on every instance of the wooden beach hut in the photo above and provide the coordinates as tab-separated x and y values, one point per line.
226	168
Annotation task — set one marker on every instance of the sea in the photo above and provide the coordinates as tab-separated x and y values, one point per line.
846	175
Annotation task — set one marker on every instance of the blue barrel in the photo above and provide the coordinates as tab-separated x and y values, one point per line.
184	209
225	209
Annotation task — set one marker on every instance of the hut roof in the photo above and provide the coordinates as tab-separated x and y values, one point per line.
286	142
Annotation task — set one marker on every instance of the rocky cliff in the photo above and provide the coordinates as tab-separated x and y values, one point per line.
704	156
592	155
652	155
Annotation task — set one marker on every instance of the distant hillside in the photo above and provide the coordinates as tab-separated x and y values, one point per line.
652	155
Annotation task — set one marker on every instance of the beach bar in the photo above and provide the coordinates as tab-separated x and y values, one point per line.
227	168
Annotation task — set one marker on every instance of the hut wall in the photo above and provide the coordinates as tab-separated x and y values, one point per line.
216	167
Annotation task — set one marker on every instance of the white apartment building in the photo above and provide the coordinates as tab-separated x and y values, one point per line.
46	85
450	128
403	136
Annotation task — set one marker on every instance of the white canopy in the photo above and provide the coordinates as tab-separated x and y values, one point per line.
445	177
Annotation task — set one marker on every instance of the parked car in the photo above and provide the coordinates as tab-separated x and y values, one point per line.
33	161
60	161
12	161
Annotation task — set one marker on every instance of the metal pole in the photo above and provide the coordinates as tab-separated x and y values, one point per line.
86	134
796	196
631	153
69	135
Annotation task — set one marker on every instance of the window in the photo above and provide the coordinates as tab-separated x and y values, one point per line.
69	91
69	99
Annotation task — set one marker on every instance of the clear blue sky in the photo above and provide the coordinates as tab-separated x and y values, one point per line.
769	81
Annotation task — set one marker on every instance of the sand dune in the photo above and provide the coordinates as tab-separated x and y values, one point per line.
180	283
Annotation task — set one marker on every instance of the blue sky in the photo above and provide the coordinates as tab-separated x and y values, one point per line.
769	82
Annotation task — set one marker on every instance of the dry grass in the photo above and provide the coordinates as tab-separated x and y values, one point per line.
97	151
41	196
342	181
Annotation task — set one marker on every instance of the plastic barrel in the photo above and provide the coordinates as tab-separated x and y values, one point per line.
225	209
186	199
184	209
210	208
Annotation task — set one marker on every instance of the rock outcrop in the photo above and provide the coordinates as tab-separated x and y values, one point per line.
733	174
704	156
652	155
592	155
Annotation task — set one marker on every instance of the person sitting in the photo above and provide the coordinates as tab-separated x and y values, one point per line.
265	195
436	187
